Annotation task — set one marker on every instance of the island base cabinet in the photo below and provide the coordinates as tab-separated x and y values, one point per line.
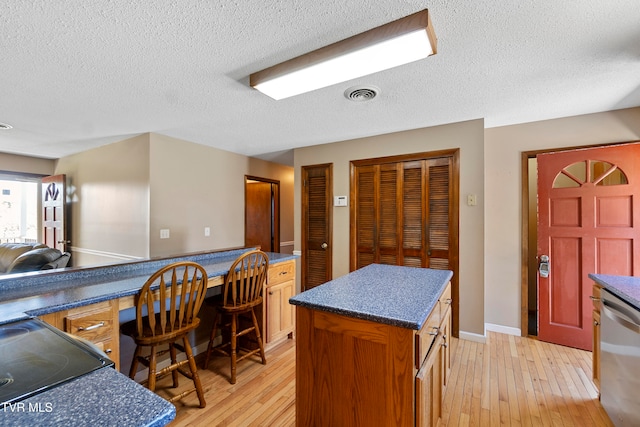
429	387
352	372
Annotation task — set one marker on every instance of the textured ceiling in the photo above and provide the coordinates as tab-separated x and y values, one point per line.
78	74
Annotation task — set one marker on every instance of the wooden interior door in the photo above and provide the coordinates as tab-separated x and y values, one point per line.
54	215
317	226
262	214
404	211
588	222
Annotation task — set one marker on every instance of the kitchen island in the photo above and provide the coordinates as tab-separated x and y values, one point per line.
372	348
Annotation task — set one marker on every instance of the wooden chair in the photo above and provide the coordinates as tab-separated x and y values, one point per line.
242	292
166	311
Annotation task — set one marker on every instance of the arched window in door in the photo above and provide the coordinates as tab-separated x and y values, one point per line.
594	172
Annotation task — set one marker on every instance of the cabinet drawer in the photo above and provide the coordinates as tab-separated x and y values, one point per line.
281	272
94	326
426	335
595	296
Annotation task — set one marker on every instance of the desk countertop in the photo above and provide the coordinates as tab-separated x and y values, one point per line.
394	295
36	294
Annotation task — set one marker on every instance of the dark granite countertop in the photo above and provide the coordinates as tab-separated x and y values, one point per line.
394	295
625	287
103	398
36	294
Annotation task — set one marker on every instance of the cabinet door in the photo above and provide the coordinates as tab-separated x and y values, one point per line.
429	388
445	349
596	348
280	313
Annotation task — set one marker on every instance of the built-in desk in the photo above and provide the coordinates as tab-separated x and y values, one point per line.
78	300
87	301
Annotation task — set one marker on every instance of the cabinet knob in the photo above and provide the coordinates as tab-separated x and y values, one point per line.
435	331
596	323
270	292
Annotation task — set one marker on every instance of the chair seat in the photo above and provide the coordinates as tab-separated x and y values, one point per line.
245	308
159	337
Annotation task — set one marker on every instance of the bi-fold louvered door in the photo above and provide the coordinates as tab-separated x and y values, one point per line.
402	212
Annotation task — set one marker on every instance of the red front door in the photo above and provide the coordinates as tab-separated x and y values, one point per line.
588	222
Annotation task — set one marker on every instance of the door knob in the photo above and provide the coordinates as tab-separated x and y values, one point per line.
543	268
324	245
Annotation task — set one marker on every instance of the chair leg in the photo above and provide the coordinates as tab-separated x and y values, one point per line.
212	338
194	371
258	336
174	360
152	369
134	363
234	344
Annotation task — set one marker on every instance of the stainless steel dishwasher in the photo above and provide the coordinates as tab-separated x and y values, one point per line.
620	361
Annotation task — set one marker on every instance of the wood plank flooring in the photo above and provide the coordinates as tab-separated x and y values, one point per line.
510	381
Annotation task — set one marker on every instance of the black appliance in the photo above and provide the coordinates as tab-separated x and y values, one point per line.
34	357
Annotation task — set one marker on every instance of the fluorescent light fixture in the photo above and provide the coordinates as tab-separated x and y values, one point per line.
396	43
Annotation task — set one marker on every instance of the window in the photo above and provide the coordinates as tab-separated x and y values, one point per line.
18	209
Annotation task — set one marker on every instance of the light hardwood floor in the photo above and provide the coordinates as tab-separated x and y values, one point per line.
509	381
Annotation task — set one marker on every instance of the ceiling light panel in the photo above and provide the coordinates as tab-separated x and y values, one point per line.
397	43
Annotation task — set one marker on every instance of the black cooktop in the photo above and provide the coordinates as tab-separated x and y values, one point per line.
35	357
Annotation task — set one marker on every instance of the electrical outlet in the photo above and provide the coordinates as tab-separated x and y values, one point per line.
207	231
164	233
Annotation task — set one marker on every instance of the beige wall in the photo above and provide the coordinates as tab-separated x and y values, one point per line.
503	148
108	189
25	164
194	186
468	136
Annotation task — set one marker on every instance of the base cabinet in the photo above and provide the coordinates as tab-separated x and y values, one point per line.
96	323
279	314
357	372
595	296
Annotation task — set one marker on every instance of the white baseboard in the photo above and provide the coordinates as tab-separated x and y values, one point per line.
104	254
502	329
472	337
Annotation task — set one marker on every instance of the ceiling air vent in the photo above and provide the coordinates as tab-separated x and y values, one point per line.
361	93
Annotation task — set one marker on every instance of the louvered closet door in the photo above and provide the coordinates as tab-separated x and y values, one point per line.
316	225
401	213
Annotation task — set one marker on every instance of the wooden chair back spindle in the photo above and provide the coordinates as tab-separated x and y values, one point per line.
177	300
245	279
